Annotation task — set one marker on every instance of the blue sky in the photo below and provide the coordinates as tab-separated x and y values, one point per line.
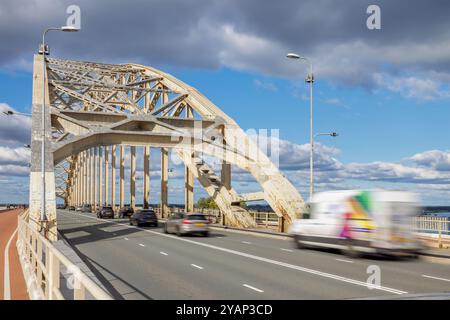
385	92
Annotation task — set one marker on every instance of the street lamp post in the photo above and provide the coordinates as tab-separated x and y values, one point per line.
309	79
44	51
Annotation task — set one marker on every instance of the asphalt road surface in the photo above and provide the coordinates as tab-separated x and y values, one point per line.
145	263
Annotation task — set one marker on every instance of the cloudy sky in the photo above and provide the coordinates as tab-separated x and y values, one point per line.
386	92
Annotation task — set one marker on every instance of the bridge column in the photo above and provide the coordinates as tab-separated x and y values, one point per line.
78	180
146	176
74	183
85	178
122	176
113	177
164	172
225	175
100	176
133	177
82	178
189	177
94	178
36	174
164	181
106	186
90	174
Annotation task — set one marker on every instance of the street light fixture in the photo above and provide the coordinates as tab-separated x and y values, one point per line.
13	113
44	50
331	134
309	79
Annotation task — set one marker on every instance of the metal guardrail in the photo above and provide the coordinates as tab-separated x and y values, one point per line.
44	264
433	225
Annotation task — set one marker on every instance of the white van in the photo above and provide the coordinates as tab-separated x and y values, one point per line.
356	221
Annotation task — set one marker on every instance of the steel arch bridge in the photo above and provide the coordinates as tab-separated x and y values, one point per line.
94	110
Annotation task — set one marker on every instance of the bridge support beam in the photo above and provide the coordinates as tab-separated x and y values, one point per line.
36	174
188	190
106	185
133	177
146	177
225	175
91	174
113	177
164	182
94	179
189	177
100	176
122	177
84	177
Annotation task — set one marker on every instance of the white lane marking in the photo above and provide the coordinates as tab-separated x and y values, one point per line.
436	278
344	260
6	278
163	253
126	238
246	242
258	258
196	266
287	250
142	245
253	288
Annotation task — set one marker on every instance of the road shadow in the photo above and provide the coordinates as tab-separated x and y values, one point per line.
94	267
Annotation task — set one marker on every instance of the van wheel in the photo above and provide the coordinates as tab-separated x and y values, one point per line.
351	252
178	232
298	243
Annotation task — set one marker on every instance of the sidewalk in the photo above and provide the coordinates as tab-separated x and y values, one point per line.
8	225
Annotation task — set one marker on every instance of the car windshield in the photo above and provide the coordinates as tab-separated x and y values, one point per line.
148	213
196	217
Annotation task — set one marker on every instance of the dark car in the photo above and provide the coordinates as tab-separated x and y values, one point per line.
126	211
86	208
105	212
144	217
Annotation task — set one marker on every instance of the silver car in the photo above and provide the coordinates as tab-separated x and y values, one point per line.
187	223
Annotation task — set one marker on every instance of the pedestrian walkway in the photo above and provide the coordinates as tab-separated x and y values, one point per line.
12	283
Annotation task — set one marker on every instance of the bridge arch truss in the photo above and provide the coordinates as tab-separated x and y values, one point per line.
94	110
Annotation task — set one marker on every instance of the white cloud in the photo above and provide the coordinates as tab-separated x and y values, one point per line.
19	156
421	88
266	85
436	159
14	129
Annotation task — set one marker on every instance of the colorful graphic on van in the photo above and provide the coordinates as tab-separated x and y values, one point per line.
359	217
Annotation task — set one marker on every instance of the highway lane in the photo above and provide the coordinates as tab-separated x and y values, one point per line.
144	263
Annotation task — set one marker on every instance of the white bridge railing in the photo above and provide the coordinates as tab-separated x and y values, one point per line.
43	265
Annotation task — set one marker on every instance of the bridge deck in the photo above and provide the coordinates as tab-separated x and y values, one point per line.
145	263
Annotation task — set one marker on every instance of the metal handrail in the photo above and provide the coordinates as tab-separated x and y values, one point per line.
45	262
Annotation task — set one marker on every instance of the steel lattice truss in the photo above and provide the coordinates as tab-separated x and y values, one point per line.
94	104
